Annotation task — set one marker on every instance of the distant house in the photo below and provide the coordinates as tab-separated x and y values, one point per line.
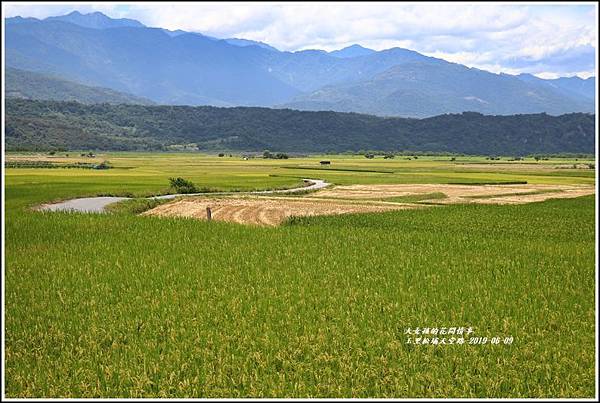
325	162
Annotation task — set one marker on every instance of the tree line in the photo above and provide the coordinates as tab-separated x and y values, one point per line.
55	125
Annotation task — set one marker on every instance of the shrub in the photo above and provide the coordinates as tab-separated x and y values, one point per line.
181	185
103	165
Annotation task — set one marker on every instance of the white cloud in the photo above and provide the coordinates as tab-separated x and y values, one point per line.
541	39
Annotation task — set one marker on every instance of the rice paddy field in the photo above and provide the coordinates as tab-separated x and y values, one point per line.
128	305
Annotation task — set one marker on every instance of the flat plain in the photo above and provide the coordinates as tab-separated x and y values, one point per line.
129	305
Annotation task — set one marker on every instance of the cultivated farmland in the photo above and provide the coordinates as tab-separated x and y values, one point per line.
125	304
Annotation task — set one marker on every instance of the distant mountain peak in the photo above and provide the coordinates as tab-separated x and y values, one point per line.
96	20
569	86
356	46
247	42
352	51
19	19
397	49
310	52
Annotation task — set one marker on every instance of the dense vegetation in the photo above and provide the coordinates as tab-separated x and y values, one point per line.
42	125
50	164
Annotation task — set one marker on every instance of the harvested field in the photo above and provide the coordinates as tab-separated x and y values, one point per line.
273	211
50	158
264	210
512	166
483	194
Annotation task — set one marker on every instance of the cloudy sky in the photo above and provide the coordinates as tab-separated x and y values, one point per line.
548	40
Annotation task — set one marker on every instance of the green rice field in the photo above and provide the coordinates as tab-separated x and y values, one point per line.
122	305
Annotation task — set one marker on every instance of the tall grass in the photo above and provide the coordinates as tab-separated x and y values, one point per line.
117	305
101	305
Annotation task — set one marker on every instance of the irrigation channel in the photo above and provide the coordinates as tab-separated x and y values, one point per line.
98	204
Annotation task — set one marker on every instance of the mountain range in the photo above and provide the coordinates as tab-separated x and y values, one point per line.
179	67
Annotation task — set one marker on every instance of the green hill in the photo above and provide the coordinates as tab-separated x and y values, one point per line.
42	125
30	85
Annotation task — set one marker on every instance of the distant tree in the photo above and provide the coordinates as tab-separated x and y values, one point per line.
221	155
103	165
182	185
267	154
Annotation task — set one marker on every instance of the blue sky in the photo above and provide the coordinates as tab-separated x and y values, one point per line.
548	40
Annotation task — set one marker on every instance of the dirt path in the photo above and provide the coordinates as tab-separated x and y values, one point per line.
83	205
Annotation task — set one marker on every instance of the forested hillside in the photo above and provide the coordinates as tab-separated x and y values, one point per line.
46	125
